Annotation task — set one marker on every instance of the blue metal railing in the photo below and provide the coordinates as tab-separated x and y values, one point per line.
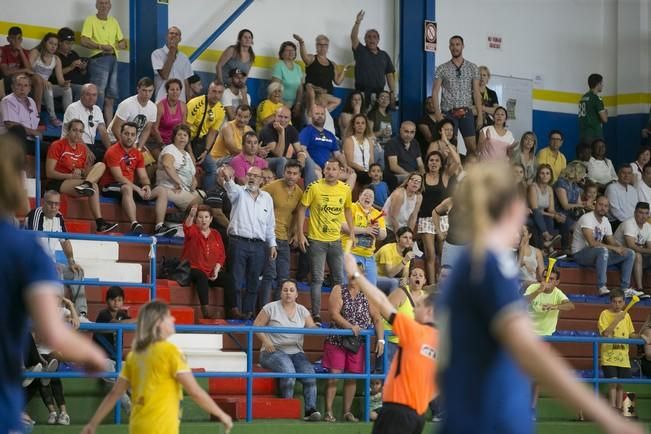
37	169
151	241
367	375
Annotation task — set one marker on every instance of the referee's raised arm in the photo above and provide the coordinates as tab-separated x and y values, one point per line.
373	294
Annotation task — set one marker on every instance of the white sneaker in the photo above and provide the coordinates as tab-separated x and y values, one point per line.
603	291
52	418
36	368
630	292
63	419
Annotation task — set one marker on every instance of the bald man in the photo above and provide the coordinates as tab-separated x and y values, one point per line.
402	155
168	62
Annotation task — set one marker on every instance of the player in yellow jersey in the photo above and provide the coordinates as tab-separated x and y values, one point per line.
156	371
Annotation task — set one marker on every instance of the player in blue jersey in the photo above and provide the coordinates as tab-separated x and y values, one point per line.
488	350
28	286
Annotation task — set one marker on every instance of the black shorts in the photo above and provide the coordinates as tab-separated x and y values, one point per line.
53	184
398	418
616	372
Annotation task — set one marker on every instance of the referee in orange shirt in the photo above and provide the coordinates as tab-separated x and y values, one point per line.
410	382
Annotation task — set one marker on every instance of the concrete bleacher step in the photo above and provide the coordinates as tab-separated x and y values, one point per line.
111	271
197	341
237	386
264	407
203	350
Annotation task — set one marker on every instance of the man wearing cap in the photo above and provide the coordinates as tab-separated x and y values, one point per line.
168	62
74	67
103	36
14	60
236	93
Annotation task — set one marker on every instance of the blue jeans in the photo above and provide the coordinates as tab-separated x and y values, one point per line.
274	273
320	251
601	258
308	171
277	165
103	73
387	284
279	361
247	259
543	222
370	268
209	167
378	154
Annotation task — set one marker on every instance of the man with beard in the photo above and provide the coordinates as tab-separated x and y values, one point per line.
320	144
123	161
138	109
285	194
279	141
329	201
250	230
236	93
229	141
458	81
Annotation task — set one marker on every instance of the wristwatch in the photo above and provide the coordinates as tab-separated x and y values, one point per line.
354	276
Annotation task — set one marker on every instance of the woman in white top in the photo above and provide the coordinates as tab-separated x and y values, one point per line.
401	208
176	170
540	198
496	141
641	159
44	62
358	147
525	154
530	260
600	168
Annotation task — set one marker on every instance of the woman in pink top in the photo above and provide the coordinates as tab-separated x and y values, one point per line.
171	112
495	141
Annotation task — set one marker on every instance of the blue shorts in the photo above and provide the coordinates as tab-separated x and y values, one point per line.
103	72
465	124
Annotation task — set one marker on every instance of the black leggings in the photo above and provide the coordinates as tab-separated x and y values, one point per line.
201	283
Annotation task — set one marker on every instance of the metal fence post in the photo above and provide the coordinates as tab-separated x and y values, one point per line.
37	169
249	376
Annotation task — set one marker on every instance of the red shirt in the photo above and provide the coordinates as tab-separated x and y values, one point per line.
127	161
203	252
67	157
12	58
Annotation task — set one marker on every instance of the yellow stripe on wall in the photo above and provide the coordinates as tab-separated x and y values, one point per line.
558	96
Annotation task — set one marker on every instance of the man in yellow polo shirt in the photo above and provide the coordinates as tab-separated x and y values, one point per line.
229	140
205	117
103	36
329	201
552	155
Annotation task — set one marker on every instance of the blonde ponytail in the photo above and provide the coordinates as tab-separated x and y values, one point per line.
147	327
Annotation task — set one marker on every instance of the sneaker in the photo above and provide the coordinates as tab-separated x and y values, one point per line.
137	229
52	418
36	368
603	291
103	226
630	292
63	419
437	418
312	415
317	320
83	318
85	189
55	122
164	231
52	366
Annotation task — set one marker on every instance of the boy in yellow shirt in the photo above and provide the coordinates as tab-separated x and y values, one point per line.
615	363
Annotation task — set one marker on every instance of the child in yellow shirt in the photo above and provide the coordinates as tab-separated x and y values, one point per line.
156	371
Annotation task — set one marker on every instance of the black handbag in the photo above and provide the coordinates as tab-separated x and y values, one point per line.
352	343
198	144
182	273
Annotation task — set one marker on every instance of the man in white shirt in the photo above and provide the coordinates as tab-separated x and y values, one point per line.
236	94
168	62
635	233
138	109
644	185
87	111
593	244
622	197
251	232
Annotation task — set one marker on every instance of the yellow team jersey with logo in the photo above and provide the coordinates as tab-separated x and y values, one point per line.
214	117
326	204
365	244
615	354
155	393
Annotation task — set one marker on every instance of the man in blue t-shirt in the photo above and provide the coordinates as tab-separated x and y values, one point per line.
320	144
